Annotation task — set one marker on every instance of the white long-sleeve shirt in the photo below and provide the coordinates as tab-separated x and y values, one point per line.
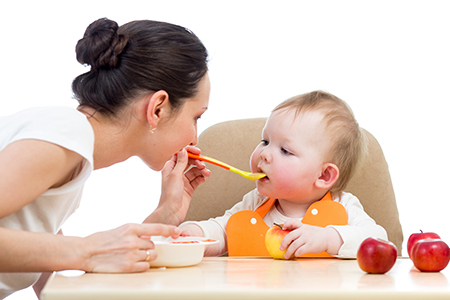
360	224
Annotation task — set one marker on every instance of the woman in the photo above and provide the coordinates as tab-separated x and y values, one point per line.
146	89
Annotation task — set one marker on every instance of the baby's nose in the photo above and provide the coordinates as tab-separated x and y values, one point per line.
265	156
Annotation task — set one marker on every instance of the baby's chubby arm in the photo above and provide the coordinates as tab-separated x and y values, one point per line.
192	229
309	239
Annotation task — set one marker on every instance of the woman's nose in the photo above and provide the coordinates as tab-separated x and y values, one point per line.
195	140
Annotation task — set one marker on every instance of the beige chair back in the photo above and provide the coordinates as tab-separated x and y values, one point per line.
234	141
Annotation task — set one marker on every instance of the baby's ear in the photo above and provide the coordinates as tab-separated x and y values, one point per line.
329	175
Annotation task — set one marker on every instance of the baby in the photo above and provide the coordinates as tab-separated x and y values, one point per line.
311	145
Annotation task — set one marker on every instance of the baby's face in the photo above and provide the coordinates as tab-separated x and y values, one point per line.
292	154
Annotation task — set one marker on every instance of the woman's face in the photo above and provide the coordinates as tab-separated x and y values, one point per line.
179	130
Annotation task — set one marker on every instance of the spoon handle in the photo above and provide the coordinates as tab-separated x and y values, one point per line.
210	160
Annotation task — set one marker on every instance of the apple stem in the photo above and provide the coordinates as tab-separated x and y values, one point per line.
280	226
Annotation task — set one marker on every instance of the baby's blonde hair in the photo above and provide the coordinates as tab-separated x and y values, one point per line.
347	140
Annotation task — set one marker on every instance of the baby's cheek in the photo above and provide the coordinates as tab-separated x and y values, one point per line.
253	162
283	180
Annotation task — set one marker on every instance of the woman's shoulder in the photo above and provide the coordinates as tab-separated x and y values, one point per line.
43	115
63	126
54	112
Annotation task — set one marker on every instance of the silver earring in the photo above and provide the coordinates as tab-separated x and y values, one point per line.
152	130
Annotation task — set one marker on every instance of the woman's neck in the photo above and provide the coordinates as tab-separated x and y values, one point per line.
110	144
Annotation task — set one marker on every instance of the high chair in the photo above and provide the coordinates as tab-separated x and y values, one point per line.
234	141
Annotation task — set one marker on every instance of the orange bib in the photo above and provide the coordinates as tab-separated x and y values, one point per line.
246	229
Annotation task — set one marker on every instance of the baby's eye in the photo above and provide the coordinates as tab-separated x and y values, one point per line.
285	151
264	142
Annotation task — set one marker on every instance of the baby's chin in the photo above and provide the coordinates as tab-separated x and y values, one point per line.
265	191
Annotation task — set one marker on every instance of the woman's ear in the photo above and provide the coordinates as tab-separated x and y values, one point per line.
329	175
157	107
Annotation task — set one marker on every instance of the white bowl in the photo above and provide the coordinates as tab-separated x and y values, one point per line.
180	252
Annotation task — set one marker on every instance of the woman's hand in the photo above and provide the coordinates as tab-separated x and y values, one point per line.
180	177
124	249
309	239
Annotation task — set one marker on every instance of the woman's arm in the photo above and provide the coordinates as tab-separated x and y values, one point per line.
27	169
39	285
30	167
119	250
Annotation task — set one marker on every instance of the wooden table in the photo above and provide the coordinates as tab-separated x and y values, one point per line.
256	278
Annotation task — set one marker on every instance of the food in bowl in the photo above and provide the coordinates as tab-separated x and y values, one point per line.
180	252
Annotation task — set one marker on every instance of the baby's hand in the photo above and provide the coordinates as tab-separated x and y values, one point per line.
191	229
186	233
309	239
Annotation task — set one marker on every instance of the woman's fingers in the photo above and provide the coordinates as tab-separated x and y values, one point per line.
127	248
193	149
148	229
197	174
181	161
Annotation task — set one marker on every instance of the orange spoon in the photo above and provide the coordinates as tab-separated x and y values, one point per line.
248	175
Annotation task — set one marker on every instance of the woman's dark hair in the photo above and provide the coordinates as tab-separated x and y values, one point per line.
137	58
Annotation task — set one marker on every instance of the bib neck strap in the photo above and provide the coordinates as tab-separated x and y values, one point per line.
266	206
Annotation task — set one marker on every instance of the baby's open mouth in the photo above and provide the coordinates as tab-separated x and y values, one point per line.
261	171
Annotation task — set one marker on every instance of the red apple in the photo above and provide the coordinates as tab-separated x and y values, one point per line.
430	255
413	238
376	256
273	239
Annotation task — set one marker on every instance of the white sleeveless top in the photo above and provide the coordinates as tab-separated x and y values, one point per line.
67	128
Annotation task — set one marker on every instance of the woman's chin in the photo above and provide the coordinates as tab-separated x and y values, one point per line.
155	166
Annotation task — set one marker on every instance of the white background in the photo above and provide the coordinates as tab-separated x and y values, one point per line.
388	59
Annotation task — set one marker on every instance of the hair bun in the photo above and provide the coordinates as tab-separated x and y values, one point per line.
101	45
